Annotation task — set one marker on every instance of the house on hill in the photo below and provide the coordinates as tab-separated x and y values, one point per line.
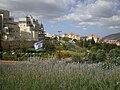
72	36
95	37
112	39
116	42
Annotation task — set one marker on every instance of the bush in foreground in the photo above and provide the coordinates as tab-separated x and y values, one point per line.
76	58
57	76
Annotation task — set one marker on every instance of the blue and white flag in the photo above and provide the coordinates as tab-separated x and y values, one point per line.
38	46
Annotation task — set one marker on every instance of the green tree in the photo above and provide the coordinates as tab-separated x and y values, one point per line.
75	40
81	43
65	46
86	43
49	44
66	39
91	56
114	53
107	47
104	46
94	48
101	55
92	41
114	56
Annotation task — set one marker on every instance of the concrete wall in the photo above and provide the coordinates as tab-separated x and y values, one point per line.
17	44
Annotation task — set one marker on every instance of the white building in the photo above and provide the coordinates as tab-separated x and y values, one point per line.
96	38
30	29
10	29
52	35
116	42
72	36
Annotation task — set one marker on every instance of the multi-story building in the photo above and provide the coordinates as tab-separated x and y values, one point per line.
92	36
52	35
26	29
116	42
30	29
72	36
10	29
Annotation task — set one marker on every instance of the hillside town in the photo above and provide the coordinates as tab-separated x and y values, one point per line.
59	44
28	28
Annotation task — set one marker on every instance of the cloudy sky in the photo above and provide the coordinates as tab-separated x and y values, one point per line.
100	17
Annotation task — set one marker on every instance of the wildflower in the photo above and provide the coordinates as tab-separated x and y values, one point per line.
13	53
26	54
118	82
4	53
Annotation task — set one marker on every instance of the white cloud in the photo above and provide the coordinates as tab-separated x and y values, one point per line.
111	22
102	8
39	8
114	27
87	23
84	28
84	12
95	12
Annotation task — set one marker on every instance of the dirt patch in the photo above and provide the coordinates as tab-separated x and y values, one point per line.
8	62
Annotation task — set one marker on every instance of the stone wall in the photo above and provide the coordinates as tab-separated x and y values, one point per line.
17	44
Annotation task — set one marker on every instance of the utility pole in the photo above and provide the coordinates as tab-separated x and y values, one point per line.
0	47
1	27
59	45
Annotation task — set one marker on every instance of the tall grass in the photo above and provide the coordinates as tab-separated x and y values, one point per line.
58	76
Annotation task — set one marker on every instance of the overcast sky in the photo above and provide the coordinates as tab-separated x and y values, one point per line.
100	17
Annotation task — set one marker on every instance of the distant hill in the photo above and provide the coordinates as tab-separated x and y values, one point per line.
112	37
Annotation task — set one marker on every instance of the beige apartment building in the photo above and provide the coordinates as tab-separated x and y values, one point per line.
116	42
72	36
26	28
96	38
10	30
30	29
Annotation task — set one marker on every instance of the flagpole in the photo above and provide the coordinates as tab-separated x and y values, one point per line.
1	27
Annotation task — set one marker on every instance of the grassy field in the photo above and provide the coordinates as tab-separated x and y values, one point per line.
57	76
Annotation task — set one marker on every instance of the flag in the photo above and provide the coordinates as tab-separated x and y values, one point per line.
38	46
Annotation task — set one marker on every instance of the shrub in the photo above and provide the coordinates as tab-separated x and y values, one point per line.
23	57
76	58
31	50
114	53
114	57
9	56
91	56
58	76
65	47
66	39
101	55
65	54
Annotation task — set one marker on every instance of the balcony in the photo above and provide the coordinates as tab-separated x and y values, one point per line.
8	33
